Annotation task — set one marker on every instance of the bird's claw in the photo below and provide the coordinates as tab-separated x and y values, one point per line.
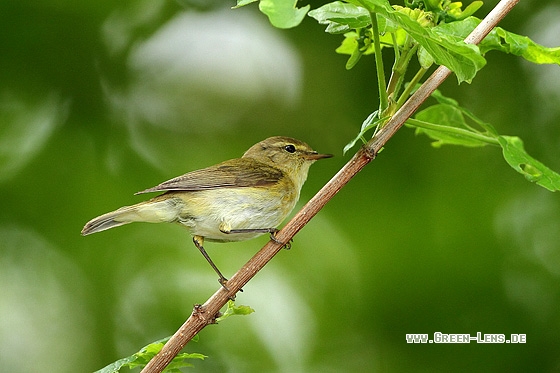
286	246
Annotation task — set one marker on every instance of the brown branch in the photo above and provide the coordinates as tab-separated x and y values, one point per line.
206	314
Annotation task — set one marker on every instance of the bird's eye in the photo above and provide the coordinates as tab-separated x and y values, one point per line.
290	148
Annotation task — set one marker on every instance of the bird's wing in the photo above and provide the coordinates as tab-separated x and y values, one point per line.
242	172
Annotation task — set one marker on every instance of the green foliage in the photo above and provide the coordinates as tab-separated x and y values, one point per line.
232	310
281	14
446	11
533	170
434	31
372	121
503	41
341	17
142	357
463	59
446	123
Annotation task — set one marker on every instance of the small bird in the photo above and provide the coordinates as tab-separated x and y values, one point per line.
235	200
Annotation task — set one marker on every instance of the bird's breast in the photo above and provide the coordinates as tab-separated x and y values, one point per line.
204	212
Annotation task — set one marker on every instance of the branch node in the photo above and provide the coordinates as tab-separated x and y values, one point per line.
198	312
201	313
369	153
216	317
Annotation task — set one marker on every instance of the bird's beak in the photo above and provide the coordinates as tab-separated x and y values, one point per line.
315	156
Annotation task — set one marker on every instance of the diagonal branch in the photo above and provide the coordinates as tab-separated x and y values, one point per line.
206	314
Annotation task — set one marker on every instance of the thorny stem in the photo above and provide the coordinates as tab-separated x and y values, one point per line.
205	314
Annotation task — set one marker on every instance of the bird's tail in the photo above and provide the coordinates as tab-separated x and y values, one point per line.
153	211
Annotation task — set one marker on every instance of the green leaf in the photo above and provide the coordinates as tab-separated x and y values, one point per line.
471	9
142	357
463	59
351	46
453	12
488	128
354	58
350	42
232	309
341	17
503	41
523	46
533	170
283	13
441	98
241	3
374	5
424	58
446	123
370	122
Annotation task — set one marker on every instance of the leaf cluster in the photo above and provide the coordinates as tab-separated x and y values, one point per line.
432	31
448	123
182	360
146	353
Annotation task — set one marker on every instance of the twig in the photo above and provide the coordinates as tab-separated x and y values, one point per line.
206	314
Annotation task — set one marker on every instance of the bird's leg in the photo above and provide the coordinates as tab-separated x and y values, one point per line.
198	242
225	228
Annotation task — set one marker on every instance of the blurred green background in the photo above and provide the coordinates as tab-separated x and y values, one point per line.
99	100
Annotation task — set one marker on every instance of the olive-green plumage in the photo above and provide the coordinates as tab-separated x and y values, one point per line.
232	201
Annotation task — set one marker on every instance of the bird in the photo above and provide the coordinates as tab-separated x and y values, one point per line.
236	200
